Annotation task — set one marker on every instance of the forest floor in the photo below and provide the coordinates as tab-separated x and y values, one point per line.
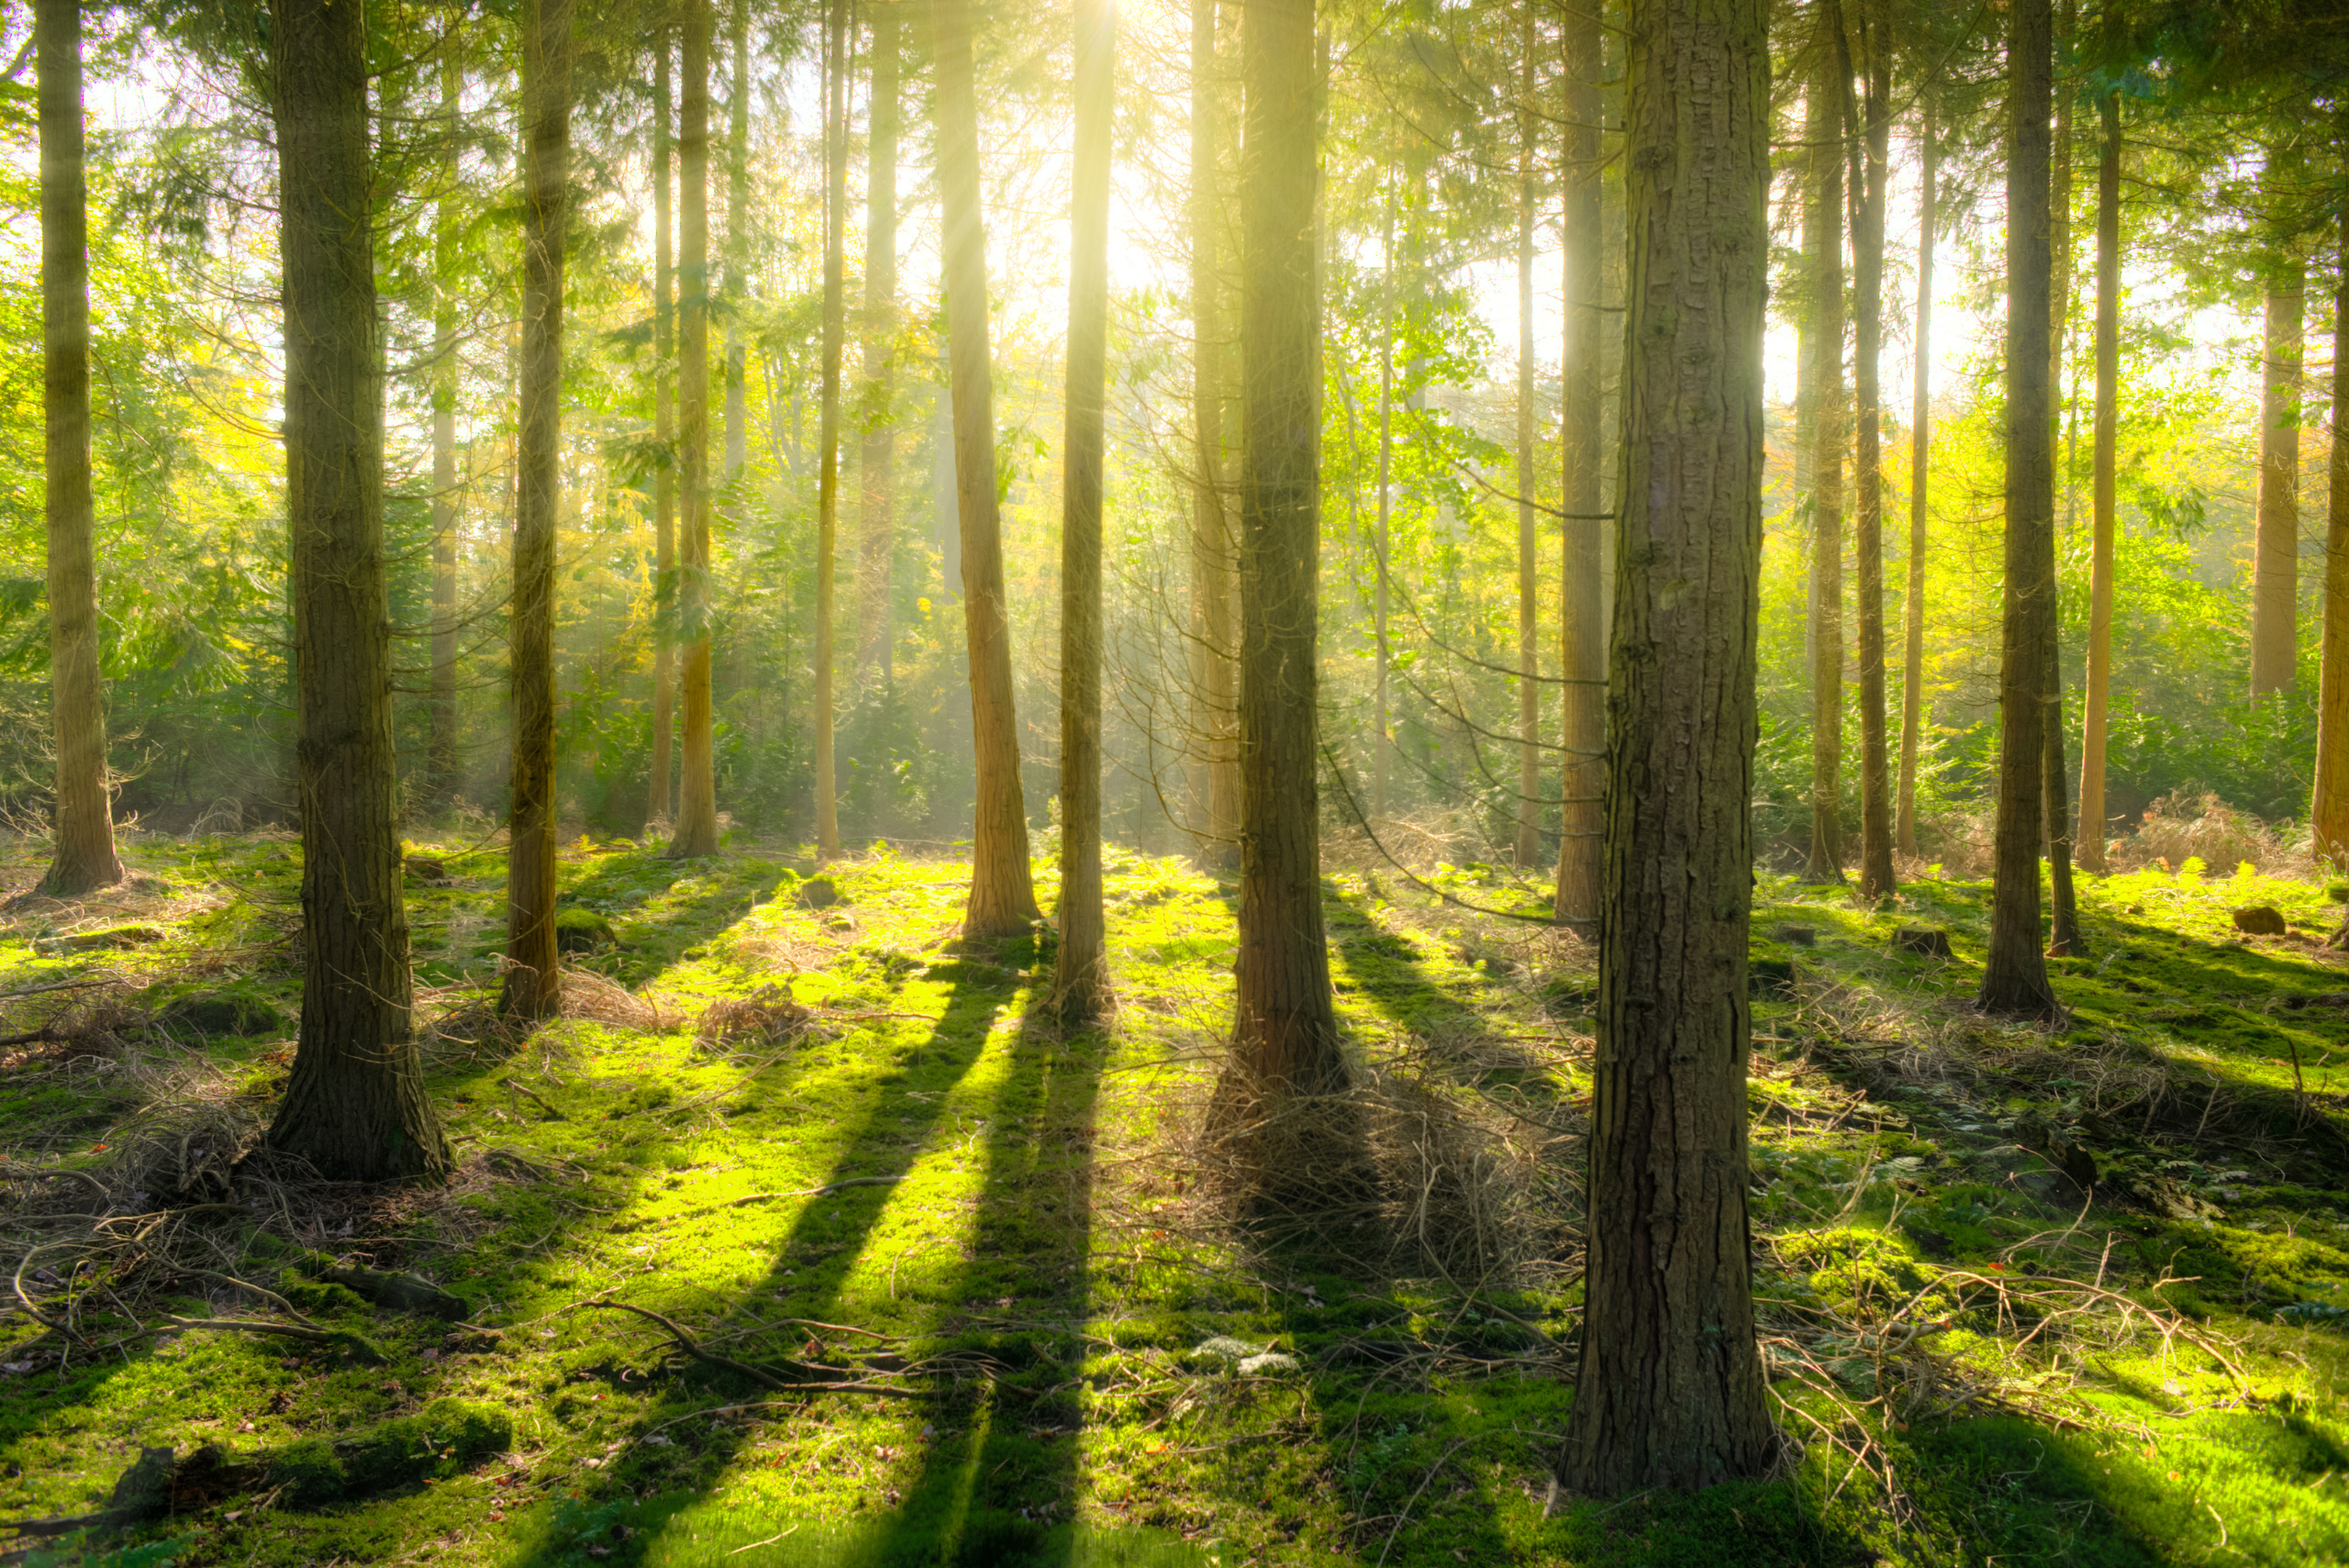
2028	1296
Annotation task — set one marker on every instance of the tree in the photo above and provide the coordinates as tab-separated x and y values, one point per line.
1081	984
828	505
1529	633
2276	566
738	227
1670	1391
1821	411
2328	816
1382	735
1582	827
1868	186
1214	673
1921	425
665	433
355	1106
441	745
1285	1034
695	832
2014	977
876	526
1002	896
2102	488
533	967
85	854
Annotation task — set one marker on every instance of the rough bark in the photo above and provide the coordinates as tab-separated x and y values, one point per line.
827	482
1823	413
664	431
1285	1035
1582	827
2014	977
1003	895
1867	459
440	740
83	856
737	231
2274	581
1528	613
2328	816
877	463
1920	424
1081	981
695	832
1669	1392
533	969
2089	851
1215	682
355	1106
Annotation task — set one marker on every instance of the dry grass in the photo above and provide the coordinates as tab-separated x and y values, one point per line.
2182	826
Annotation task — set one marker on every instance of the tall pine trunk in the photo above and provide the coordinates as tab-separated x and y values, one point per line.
533	969
2092	825
1382	724
1871	167
1669	1392
738	234
1582	827
355	1106
440	740
2055	784
1529	614
1821	412
664	431
1214	640
1921	425
2329	816
1081	983
1286	1035
1003	895
827	482
84	855
2014	976
2275	582
877	463
695	832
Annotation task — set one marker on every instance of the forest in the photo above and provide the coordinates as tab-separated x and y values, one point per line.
1172	785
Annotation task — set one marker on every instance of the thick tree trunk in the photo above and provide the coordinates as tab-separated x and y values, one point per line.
1529	612
2275	582
2014	978
355	1106
696	833
1215	683
1670	1393
1921	425
1081	983
1822	413
440	740
1582	829
737	231
2092	825
876	466
664	431
1286	1035
828	484
1002	896
533	969
84	856
2055	776
1867	461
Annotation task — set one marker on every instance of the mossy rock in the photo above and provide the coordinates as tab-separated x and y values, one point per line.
818	893
223	1013
445	1437
578	929
319	1300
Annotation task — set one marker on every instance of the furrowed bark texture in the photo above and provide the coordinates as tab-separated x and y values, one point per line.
877	463
695	832
1670	1393
1529	612
1582	827
1920	424
2014	976
533	970
1285	1034
355	1106
1215	680
2329	814
828	482
2274	578
664	430
1867	457
1081	983
1002	896
84	857
1823	354
441	742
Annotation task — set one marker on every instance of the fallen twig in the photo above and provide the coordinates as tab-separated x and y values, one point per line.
687	1343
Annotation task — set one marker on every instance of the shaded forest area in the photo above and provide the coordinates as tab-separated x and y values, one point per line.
911	782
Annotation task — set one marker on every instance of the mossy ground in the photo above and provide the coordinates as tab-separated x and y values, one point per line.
1022	1236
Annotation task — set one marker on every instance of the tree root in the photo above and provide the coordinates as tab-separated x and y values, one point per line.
691	1347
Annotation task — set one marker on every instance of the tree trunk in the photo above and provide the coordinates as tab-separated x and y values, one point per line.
2092	824
738	229
696	833
1003	897
2055	776
1081	981
1582	827
1382	724
1213	673
2328	816
440	742
664	431
84	856
1920	423
2275	567
1867	461
828	458
1286	1035
355	1106
2014	977
876	467
1822	412
1670	1393
533	969
1529	614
